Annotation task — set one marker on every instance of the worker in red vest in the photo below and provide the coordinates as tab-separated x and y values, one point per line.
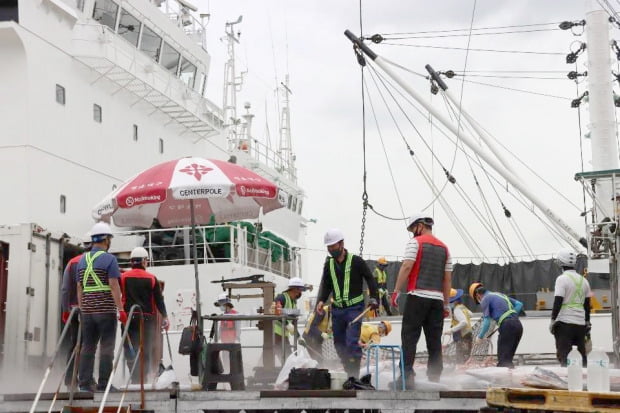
142	288
229	330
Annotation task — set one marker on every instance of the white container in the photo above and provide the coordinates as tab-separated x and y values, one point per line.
337	379
598	371
575	375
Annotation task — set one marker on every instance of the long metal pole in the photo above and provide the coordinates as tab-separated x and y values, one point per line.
195	252
576	240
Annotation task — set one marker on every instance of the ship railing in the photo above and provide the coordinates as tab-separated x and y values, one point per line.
263	154
225	243
192	27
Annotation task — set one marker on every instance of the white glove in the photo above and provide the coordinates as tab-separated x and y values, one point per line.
448	332
290	328
325	336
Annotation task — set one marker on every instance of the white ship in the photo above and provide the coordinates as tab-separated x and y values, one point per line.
100	90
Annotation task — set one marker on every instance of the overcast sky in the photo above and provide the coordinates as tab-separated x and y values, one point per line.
305	39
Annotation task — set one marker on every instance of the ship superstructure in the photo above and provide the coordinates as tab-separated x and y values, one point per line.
95	91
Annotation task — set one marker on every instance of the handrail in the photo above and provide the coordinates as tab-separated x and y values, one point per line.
73	357
51	364
117	357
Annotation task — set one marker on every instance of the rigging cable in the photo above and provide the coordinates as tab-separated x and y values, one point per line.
387	159
389	37
552	229
476	50
475	28
467	238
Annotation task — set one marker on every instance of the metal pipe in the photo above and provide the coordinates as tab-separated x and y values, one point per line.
47	292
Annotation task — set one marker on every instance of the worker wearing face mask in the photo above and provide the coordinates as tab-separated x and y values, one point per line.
229	330
343	278
288	300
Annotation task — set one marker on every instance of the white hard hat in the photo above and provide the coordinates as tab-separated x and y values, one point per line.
222	299
332	236
87	238
139	252
567	257
420	217
100	229
296	282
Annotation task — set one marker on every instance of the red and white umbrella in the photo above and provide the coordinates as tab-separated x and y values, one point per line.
189	191
218	189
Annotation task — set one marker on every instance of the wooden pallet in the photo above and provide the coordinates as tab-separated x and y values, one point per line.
554	400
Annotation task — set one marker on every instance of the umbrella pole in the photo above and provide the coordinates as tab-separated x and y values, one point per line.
195	251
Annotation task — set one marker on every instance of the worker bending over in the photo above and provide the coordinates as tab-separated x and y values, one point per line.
372	333
288	300
460	328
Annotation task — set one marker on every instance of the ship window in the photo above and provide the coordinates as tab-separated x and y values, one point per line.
60	94
161	145
169	58
290	201
105	12
9	11
63	204
200	83
80	5
294	208
150	43
114	187
129	27
97	115
300	205
188	72
135	133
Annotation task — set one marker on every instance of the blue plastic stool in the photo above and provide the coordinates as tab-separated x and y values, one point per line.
392	347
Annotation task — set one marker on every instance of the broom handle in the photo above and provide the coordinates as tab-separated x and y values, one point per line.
359	317
169	348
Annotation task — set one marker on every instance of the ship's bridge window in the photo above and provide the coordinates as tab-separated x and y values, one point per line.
129	27
60	94
97	113
63	204
169	58
135	133
200	83
188	72
300	205
161	145
294	208
150	43
105	12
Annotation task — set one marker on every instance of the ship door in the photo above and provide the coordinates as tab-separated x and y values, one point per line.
4	280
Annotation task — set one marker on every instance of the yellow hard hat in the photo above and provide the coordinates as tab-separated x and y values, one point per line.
388	327
472	290
382	260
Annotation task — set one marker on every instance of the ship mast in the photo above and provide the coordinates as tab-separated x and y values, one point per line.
286	150
232	82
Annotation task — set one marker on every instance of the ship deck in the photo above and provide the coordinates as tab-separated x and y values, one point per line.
259	401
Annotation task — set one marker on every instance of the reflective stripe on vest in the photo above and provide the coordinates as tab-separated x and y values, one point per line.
89	272
577	298
342	300
288	303
507	313
381	276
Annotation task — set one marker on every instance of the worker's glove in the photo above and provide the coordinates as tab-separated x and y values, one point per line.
290	328
552	327
477	340
122	317
324	336
65	316
446	311
588	327
394	300
165	323
373	303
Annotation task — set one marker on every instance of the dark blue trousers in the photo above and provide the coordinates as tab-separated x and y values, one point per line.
510	332
346	337
97	329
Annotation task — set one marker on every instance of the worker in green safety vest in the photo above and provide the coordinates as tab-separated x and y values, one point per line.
570	317
343	278
381	279
288	300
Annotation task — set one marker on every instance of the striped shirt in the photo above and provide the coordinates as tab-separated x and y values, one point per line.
106	267
411	252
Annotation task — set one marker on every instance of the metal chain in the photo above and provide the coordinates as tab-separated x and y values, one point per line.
364	210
